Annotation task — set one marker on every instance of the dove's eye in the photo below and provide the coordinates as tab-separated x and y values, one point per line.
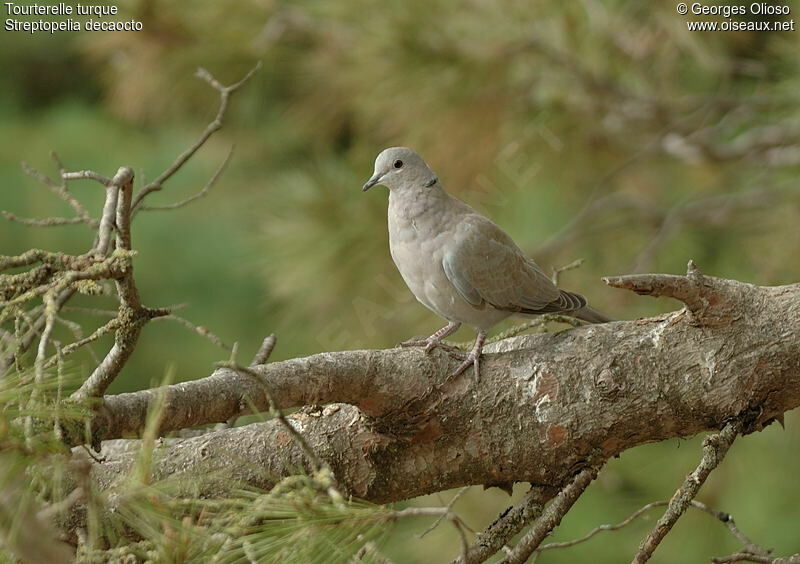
398	164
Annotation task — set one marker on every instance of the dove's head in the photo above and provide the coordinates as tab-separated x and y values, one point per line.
399	166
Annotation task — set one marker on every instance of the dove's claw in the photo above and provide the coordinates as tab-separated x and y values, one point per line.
414	343
428	343
473	358
434	340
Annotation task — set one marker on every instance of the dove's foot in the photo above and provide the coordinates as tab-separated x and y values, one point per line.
434	340
428	343
473	358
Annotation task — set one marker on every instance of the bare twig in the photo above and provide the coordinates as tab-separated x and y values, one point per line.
540	321
551	516
276	412
45	222
759	559
225	93
505	527
60	189
201	194
59	261
41	353
132	317
99	332
25	341
265	350
571	266
714	449
443	513
449	508
103	243
727	519
77	333
90	311
624	523
198	329
124	181
87	175
749	547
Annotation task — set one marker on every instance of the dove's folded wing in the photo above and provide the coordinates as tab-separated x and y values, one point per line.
486	267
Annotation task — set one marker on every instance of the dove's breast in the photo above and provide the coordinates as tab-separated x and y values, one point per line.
418	242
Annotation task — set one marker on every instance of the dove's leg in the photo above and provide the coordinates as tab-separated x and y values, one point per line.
473	357
434	340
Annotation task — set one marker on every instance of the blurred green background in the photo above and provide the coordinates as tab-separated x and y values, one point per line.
602	131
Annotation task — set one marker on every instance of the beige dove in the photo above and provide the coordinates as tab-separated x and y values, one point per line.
457	262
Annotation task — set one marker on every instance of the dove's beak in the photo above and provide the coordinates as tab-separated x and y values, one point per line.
371	182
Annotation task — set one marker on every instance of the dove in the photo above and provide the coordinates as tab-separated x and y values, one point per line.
458	263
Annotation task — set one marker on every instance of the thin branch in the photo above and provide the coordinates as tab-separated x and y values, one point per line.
276	412
539	322
77	332
90	311
225	93
87	175
132	314
265	350
30	335
45	222
505	527
624	523
132	317
108	268
103	244
41	353
737	557
58	261
449	508
108	369
715	447
551	516
99	332
201	194
759	559
124	181
29	257
29	295
750	548
443	513
198	329
727	519
571	266
60	189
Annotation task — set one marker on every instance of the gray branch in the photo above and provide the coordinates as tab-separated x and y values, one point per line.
547	406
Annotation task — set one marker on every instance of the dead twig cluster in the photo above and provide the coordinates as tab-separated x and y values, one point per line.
36	286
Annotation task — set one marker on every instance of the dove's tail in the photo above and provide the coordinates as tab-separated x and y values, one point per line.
591	315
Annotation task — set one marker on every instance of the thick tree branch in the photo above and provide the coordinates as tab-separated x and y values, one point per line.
545	406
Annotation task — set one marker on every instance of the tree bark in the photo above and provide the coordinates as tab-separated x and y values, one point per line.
547	405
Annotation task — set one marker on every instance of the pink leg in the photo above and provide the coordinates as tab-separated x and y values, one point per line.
433	341
473	357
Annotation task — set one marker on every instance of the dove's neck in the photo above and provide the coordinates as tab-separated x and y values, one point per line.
418	203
